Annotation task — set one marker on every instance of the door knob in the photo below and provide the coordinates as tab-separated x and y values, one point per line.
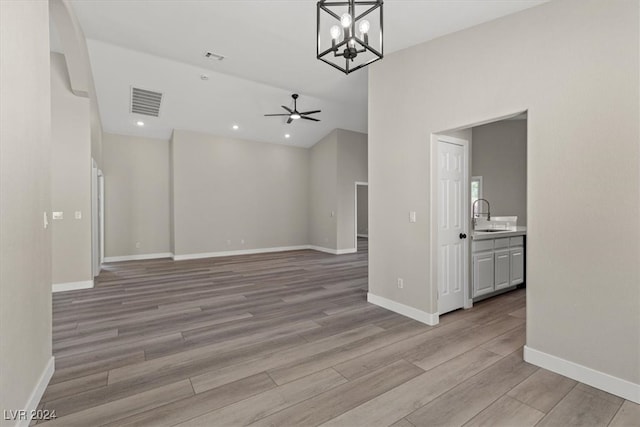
463	236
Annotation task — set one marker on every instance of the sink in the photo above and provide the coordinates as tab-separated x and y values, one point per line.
496	224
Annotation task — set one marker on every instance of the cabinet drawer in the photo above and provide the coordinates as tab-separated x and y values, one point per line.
517	241
482	245
501	243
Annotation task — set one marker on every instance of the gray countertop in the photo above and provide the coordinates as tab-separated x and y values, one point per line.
484	235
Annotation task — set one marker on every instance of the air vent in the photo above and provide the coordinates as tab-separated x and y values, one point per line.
145	102
212	55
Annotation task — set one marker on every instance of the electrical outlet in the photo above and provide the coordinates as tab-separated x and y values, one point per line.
138	244
242	242
400	283
228	242
78	214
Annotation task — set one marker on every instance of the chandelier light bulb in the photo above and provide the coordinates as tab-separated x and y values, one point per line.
345	20
295	116
335	32
352	43
364	26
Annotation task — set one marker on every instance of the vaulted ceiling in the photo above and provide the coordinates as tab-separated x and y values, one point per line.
269	49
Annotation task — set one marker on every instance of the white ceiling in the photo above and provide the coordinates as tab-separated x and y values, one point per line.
270	53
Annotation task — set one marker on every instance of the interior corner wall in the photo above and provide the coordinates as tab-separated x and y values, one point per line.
499	155
323	192
234	195
25	197
137	195
70	178
574	65
352	168
79	67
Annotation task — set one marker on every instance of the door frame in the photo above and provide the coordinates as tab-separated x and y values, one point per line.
355	210
434	205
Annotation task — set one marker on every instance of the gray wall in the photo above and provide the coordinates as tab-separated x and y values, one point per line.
363	209
25	195
323	192
574	66
70	178
499	155
228	190
352	167
136	173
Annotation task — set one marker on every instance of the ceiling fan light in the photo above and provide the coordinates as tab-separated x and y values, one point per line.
345	20
295	116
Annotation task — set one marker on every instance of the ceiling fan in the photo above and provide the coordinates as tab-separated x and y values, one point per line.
295	114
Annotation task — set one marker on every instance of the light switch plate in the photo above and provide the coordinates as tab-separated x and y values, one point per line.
57	215
412	216
78	214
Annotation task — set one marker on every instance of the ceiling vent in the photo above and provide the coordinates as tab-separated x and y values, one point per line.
145	102
211	55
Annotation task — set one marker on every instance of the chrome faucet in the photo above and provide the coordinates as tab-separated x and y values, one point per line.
477	214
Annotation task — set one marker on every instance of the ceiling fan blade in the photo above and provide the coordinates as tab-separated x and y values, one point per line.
309	118
311	112
266	115
287	108
290	120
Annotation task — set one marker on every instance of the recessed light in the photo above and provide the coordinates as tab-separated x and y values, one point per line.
204	77
286	135
140	123
236	127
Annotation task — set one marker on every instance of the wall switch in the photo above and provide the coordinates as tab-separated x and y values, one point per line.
412	216
57	215
46	220
78	214
400	283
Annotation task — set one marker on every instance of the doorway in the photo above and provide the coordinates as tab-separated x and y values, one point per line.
361	237
494	170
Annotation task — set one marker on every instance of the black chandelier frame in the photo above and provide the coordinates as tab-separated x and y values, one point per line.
358	45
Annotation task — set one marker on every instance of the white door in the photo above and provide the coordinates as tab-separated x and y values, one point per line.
452	223
501	270
483	273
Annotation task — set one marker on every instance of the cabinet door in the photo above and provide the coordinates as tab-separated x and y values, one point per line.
482	274
502	260
517	266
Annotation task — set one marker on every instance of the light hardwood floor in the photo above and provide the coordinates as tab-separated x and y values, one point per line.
288	339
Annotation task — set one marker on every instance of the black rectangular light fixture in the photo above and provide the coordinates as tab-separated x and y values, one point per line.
348	37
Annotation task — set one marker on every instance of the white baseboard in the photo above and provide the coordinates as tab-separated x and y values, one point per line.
331	250
430	319
138	257
363	235
38	391
72	286
238	252
597	379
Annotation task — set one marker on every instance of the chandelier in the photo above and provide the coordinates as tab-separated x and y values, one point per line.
351	40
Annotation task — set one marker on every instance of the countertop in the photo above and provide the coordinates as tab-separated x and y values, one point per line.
484	235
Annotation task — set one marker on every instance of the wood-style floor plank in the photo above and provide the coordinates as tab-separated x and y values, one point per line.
289	339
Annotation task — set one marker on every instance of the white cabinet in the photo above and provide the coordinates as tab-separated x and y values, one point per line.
497	264
483	273
502	259
517	266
